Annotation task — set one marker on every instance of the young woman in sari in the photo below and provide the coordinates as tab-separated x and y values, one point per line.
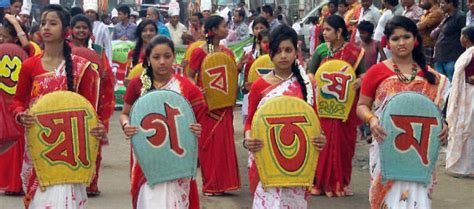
82	37
259	47
53	70
287	79
217	155
159	58
333	174
11	160
460	152
146	30
405	71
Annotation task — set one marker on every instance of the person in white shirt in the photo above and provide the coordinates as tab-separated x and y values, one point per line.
470	15
390	6
368	12
100	30
177	29
412	10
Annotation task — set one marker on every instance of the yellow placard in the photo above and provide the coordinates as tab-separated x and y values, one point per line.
188	52
335	80
219	79
286	125
60	143
136	71
260	67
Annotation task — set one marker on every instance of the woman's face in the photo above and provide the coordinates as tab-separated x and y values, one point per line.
148	33
221	31
329	33
464	41
401	42
81	31
161	59
259	27
195	21
5	36
265	45
285	56
51	27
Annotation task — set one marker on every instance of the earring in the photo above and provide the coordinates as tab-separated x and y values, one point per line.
417	43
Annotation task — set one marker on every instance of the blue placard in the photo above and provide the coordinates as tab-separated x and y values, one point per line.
410	151
165	147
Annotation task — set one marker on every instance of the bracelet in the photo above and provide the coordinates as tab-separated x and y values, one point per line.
123	125
244	145
368	116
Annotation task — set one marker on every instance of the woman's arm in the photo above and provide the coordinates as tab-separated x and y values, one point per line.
364	112
25	43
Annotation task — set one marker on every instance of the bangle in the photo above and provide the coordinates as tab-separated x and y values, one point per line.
123	125
244	145
368	116
21	33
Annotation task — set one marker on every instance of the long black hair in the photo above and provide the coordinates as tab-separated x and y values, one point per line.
336	22
212	22
157	40
138	33
256	21
82	18
283	33
67	52
417	54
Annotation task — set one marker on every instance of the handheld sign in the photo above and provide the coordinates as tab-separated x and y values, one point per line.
219	79
286	125
136	71
260	67
188	52
164	146
335	80
12	56
412	123
60	143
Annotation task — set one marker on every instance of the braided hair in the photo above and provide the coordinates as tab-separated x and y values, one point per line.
280	34
256	21
138	33
147	75
212	22
67	52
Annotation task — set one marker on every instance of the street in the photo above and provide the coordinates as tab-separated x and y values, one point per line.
114	181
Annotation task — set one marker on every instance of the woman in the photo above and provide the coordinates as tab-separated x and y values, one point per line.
53	70
146	30
11	160
460	152
195	28
405	71
259	47
286	79
159	58
333	174
82	37
217	155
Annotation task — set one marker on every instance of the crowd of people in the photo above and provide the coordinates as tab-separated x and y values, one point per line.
402	46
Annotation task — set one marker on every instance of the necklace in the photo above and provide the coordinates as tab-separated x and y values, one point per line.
282	79
402	77
333	52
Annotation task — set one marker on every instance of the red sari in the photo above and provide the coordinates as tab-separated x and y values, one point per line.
334	169
34	82
217	155
195	98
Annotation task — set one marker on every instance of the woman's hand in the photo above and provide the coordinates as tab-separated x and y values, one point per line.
129	131
253	145
319	142
357	83
11	19
25	119
99	131
377	131
196	129
443	135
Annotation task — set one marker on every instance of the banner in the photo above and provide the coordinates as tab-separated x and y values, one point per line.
165	147
60	143
410	151
286	125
